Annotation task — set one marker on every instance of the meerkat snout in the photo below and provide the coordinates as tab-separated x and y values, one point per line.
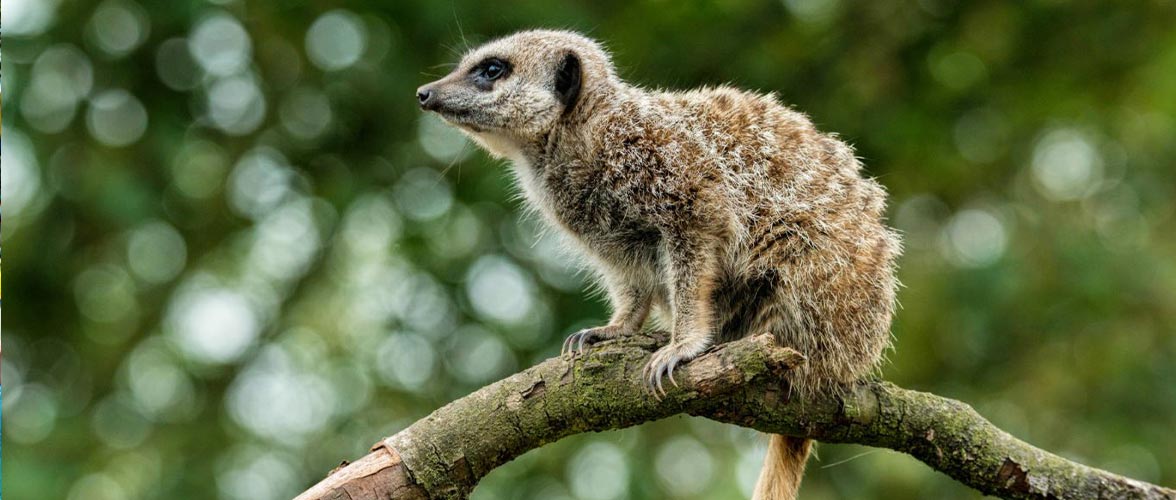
468	95
424	94
517	89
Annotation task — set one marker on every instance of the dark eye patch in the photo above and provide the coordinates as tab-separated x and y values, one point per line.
485	73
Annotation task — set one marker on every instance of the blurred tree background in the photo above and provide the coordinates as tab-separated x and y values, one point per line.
238	253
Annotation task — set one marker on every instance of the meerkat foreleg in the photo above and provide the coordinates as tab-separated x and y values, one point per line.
691	271
631	305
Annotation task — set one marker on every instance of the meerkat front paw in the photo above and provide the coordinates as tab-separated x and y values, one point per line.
663	362
588	336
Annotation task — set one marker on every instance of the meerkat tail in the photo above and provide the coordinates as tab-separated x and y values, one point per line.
783	468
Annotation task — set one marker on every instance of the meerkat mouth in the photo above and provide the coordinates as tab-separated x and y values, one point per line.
458	120
453	116
461	118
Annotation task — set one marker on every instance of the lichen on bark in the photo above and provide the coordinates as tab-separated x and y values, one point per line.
743	383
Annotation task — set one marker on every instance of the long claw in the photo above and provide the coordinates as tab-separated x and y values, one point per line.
661	366
566	344
576	342
648	375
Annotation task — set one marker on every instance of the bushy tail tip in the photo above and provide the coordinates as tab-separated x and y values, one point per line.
783	468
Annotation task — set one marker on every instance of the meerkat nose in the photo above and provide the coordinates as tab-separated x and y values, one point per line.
424	94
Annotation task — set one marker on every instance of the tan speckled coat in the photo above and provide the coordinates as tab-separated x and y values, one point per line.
723	211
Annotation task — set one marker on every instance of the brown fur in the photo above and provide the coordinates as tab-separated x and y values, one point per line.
783	468
720	210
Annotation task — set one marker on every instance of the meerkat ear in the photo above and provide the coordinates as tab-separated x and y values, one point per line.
567	81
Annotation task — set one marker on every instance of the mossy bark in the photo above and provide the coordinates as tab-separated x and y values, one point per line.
744	383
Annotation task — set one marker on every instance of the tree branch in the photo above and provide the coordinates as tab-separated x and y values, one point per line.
445	454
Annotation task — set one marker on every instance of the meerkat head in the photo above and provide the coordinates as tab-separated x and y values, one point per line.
519	87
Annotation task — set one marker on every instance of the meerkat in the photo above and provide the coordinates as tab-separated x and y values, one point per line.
721	210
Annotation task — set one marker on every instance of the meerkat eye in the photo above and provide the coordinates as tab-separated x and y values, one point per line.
493	70
486	72
490	70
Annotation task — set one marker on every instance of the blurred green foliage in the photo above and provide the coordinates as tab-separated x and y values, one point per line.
237	253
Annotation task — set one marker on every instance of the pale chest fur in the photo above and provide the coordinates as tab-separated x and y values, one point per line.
505	148
594	218
571	199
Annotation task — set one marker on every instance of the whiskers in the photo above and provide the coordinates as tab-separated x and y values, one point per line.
850	459
456	161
